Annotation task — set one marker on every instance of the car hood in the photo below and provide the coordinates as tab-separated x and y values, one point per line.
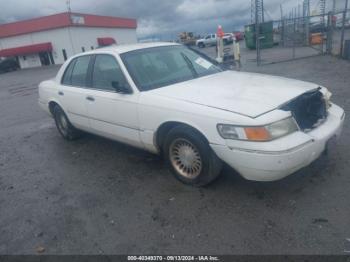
248	94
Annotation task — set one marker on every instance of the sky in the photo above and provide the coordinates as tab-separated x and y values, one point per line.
163	19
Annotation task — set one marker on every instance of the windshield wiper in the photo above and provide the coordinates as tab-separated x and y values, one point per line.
190	65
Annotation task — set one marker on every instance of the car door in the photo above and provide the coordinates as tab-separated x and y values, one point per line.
207	40
112	108
73	91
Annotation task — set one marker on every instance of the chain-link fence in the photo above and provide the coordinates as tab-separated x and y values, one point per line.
299	37
339	32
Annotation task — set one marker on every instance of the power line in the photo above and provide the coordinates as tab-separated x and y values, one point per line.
268	14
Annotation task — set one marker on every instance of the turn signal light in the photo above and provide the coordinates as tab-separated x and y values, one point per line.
257	133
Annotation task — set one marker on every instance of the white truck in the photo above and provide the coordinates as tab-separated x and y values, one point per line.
211	40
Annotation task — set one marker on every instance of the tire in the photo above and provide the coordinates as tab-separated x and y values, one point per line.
201	45
64	127
190	157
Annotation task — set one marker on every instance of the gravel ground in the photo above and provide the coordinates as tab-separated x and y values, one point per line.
94	196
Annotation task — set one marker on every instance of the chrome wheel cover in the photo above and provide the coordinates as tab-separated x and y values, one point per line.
185	158
62	124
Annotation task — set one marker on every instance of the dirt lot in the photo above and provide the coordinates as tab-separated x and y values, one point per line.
94	196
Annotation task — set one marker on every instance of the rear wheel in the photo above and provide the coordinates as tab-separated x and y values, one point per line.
201	45
65	128
190	157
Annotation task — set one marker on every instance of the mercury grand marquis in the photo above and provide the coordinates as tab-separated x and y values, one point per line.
170	100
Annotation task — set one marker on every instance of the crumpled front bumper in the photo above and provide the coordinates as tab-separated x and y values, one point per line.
282	157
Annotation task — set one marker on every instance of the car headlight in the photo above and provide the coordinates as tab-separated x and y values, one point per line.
258	133
327	98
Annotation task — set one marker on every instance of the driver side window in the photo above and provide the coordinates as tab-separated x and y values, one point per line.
107	74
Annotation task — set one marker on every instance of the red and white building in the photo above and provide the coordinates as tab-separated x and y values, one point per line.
53	39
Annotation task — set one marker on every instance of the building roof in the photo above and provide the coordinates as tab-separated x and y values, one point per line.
64	20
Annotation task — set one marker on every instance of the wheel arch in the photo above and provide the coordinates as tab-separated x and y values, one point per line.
165	128
52	103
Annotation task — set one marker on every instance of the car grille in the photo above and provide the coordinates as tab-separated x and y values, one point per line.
309	110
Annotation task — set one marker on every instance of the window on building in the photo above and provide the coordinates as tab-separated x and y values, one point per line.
64	54
79	73
107	74
83	49
92	48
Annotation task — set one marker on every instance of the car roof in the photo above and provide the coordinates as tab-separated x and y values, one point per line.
124	48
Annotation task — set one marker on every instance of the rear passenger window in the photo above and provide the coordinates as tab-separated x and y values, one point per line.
79	72
67	77
107	74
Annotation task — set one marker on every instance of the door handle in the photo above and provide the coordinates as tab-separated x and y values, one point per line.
90	98
60	93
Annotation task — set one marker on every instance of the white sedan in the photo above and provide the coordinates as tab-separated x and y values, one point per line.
169	100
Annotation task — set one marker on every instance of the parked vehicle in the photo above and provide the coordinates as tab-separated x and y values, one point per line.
239	36
8	65
167	99
211	40
229	38
317	28
187	38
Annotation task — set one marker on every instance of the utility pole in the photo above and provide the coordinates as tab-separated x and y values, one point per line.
299	22
68	6
281	8
257	31
252	11
257	11
343	28
306	14
282	26
257	17
322	11
69	29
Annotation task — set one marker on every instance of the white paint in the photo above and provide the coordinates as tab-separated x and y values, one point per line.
225	98
72	39
27	61
253	94
203	63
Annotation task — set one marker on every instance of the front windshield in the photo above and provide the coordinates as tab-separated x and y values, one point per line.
157	67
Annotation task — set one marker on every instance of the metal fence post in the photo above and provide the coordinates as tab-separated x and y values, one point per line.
306	5
329	46
257	35
294	36
343	29
282	32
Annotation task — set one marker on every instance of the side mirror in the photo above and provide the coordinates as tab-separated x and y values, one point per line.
122	89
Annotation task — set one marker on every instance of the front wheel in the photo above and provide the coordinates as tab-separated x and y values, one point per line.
65	128
190	157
